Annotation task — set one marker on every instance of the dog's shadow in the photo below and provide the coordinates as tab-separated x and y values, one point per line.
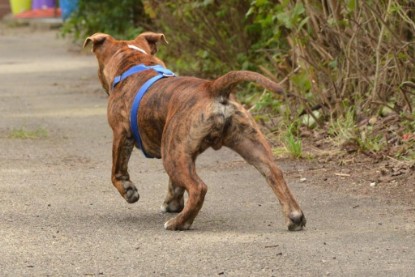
205	222
138	220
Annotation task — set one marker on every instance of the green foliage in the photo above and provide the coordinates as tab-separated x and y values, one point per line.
292	142
267	101
343	128
22	133
207	37
273	20
120	18
367	141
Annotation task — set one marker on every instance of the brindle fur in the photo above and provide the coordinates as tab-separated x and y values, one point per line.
179	118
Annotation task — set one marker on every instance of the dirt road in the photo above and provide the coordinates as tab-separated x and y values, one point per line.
60	215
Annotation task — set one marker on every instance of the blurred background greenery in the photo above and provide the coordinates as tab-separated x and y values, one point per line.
348	66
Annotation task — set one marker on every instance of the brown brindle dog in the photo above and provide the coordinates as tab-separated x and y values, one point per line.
178	119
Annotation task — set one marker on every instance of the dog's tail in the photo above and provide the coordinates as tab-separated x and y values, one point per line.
224	85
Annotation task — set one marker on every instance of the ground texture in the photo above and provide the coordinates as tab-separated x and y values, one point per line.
60	215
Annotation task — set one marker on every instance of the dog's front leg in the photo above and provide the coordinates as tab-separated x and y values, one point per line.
121	152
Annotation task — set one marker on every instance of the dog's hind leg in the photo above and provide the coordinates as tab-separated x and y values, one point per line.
121	152
245	138
181	169
174	201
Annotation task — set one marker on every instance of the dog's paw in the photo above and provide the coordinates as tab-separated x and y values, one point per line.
172	207
296	221
172	225
131	193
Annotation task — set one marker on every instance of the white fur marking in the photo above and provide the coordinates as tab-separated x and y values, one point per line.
295	214
137	48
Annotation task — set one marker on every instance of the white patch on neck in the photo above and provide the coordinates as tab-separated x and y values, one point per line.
137	48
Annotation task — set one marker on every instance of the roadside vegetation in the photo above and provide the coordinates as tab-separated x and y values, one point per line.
348	66
23	133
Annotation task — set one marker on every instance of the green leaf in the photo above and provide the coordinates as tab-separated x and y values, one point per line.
351	5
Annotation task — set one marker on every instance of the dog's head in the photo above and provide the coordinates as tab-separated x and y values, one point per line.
115	56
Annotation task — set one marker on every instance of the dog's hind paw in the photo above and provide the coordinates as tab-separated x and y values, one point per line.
172	225
172	207
131	194
296	221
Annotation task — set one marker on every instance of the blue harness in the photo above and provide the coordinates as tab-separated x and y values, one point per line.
162	72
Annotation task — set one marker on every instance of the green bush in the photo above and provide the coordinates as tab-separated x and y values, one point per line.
120	18
207	38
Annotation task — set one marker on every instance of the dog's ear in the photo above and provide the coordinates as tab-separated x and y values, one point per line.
96	39
152	40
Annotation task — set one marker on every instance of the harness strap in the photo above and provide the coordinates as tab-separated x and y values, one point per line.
139	68
162	72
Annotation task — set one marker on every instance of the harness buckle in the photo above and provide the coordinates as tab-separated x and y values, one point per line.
171	74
